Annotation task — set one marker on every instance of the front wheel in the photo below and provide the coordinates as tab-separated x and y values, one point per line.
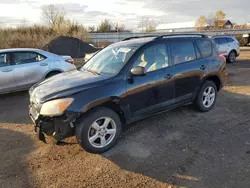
99	130
206	97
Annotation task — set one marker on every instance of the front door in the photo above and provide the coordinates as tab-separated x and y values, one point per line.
29	68
154	91
7	82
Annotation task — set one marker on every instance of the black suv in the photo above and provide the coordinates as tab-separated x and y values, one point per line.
125	82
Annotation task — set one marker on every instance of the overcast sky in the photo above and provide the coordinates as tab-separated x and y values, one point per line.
127	12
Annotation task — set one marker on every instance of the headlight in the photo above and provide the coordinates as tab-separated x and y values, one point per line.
55	107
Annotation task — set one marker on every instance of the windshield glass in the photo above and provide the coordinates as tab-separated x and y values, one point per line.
109	60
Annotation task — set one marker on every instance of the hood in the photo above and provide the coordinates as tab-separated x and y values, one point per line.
64	84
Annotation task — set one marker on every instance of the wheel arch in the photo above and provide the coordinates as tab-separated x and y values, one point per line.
214	78
112	103
51	71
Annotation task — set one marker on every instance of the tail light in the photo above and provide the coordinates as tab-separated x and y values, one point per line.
71	61
223	58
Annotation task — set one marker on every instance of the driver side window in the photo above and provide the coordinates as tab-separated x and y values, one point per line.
153	58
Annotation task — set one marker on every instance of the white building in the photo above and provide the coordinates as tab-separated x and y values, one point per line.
181	26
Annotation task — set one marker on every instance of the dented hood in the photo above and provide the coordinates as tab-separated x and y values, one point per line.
64	84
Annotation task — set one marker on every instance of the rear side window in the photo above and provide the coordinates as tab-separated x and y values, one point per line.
205	47
182	52
230	40
220	40
26	57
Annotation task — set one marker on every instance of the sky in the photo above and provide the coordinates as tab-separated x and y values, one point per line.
127	12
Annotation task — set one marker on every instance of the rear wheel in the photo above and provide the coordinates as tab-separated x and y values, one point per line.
99	130
206	97
231	57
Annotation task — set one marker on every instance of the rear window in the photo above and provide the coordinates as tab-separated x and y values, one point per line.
205	47
182	52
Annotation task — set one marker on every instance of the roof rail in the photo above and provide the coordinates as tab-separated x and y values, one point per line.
137	37
189	34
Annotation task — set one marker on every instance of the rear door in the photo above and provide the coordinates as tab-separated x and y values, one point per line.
190	68
29	68
7	81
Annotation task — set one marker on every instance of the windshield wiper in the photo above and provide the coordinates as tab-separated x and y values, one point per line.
92	71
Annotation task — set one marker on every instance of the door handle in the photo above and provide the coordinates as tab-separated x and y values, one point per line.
7	70
203	67
43	64
168	76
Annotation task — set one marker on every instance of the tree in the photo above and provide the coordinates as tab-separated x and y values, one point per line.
91	29
220	15
119	28
53	15
201	22
105	26
147	25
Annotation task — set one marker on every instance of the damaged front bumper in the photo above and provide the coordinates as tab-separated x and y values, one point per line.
59	127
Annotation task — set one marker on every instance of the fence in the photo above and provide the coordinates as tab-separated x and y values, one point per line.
115	37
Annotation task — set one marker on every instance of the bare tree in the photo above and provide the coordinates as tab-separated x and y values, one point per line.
147	25
91	29
119	27
23	23
53	15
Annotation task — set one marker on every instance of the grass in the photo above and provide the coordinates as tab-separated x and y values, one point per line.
38	36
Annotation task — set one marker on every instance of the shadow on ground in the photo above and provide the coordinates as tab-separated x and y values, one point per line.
213	147
14	108
14	147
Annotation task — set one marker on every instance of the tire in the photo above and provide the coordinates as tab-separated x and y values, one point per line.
52	74
231	57
200	103
85	130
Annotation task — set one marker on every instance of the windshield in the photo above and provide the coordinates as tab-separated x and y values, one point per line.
110	60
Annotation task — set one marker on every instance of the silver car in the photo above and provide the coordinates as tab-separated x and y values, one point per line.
21	68
228	46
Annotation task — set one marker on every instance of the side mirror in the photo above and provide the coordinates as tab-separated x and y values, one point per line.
138	71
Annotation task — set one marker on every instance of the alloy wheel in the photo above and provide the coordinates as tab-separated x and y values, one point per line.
208	97
102	132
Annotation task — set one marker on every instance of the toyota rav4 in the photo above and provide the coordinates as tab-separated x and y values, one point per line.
125	82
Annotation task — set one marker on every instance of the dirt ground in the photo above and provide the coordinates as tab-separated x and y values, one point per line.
181	147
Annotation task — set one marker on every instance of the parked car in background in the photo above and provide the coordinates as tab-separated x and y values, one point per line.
125	82
22	68
228	46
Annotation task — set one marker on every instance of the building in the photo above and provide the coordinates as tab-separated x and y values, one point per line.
224	24
176	26
191	25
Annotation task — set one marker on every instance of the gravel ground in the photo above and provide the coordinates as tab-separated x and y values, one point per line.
181	147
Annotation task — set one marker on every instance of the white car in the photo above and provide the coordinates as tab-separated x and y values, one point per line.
21	68
228	46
